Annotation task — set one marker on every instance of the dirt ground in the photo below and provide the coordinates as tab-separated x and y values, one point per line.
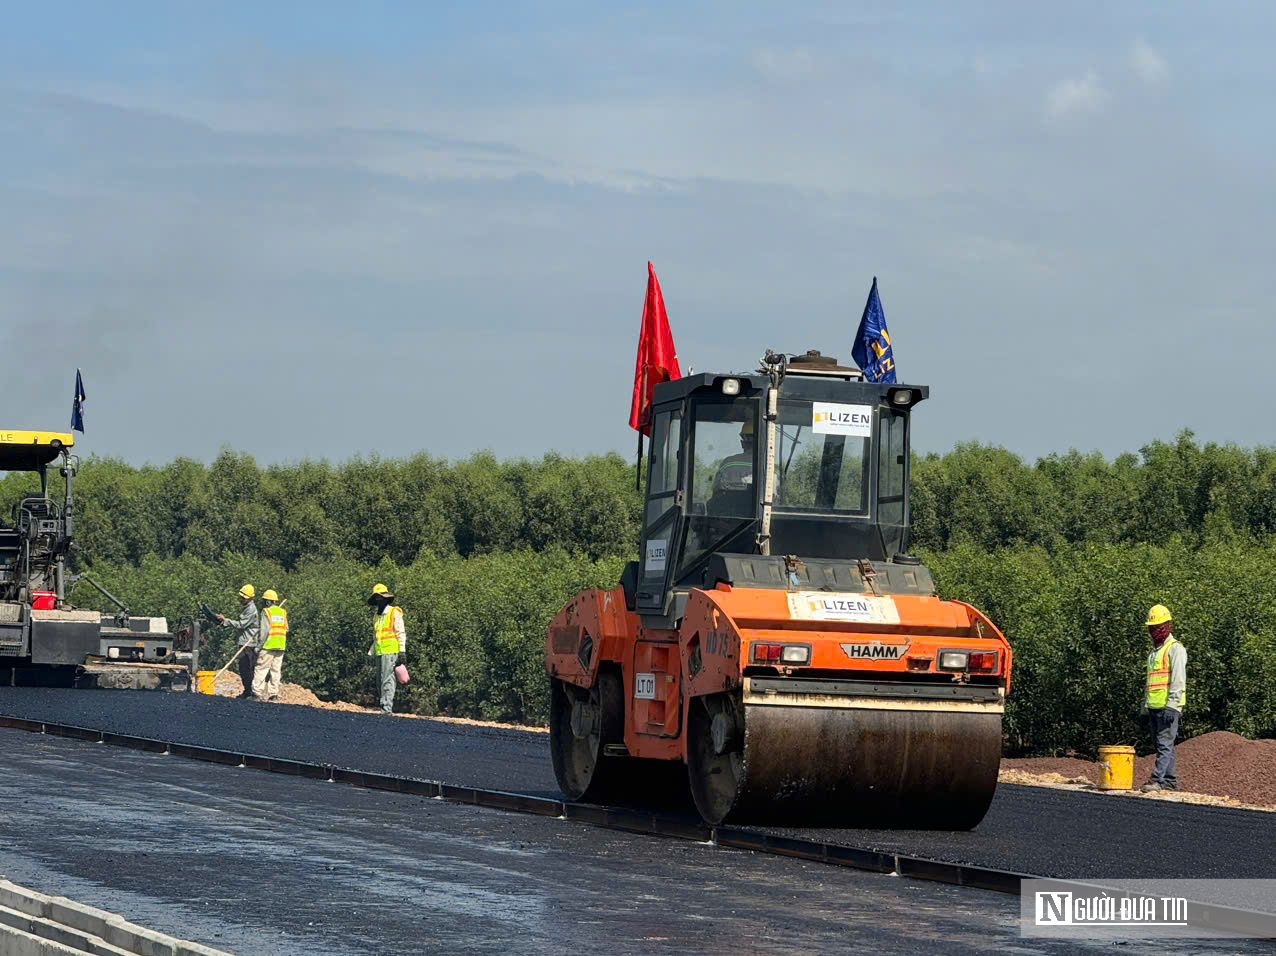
229	685
1218	768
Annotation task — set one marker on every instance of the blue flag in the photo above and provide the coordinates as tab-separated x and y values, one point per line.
77	406
872	349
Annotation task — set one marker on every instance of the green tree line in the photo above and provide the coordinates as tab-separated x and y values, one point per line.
369	509
1065	554
1074	619
364	509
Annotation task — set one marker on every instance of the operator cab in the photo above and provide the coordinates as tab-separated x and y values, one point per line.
35	536
839	507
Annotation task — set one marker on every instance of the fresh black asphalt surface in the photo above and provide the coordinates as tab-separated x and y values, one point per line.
1032	830
262	863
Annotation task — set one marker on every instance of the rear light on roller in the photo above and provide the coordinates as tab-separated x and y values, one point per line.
976	662
781	654
983	662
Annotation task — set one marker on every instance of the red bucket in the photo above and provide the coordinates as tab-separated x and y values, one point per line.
44	600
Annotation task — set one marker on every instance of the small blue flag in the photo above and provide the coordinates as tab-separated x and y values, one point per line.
872	349
77	406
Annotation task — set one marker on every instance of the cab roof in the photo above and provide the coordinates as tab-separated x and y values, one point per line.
28	451
820	387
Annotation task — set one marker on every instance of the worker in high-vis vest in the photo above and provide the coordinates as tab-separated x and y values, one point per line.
1165	697
270	659
389	642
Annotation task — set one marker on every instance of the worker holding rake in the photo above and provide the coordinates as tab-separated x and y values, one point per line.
248	634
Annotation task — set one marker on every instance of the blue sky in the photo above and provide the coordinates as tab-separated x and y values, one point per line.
316	230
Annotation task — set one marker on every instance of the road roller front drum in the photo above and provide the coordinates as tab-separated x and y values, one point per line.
871	767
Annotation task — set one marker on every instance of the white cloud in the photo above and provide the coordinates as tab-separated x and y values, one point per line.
784	66
1151	67
1075	97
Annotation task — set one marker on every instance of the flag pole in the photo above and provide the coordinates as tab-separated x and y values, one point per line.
642	407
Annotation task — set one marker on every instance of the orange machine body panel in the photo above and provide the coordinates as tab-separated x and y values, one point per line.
850	637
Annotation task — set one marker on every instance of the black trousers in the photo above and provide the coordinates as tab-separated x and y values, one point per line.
247	664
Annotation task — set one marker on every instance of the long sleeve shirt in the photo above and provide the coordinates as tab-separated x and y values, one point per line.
399	632
248	628
1178	676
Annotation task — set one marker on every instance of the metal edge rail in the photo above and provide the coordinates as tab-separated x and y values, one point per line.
624	819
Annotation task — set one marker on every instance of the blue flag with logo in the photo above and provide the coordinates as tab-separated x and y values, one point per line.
77	406
872	349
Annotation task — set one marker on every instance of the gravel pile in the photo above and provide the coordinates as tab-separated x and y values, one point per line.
1220	763
229	685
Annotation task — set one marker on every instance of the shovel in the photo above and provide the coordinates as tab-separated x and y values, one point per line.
229	662
238	652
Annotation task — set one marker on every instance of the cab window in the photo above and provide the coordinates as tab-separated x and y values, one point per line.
725	459
892	457
816	471
724	474
662	477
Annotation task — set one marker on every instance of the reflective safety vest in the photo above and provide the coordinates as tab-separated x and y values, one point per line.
387	637
1159	677
277	638
735	473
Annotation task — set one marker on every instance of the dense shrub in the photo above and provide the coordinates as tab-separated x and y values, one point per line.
476	627
1075	623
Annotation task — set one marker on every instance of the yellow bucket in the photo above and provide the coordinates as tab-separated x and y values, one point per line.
206	681
1116	768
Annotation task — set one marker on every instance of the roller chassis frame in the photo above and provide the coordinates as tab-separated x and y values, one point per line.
699	674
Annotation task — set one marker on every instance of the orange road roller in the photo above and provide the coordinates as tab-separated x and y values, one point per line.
775	637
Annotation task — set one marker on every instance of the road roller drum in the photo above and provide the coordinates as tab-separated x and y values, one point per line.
846	767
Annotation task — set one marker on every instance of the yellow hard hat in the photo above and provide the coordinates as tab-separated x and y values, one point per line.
746	428
1158	615
381	590
248	591
270	595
